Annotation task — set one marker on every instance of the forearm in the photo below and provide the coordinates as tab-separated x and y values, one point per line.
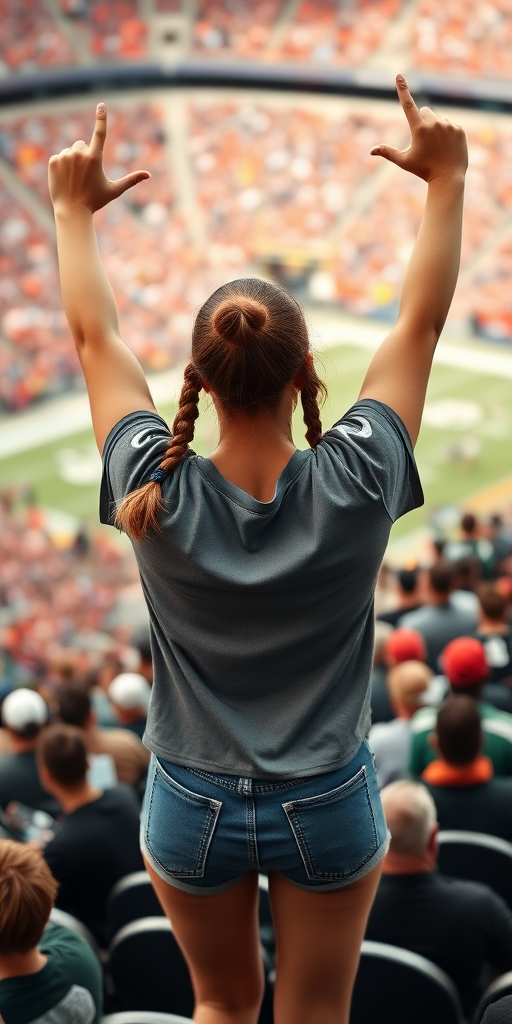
88	298
433	268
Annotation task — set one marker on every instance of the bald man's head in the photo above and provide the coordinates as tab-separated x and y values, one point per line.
411	815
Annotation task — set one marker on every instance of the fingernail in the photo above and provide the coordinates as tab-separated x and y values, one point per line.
100	109
400	78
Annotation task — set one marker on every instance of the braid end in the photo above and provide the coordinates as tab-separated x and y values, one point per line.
140	511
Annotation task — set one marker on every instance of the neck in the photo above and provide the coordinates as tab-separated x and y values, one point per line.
18	964
411	864
488	627
71	799
253	450
438	599
21	744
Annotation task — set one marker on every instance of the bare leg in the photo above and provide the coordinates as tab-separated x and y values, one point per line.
318	937
219	939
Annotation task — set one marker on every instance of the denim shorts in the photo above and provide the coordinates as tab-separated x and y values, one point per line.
201	831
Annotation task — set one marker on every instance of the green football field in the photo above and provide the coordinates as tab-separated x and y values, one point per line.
464	448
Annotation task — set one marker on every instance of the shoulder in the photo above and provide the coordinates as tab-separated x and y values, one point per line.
133	449
495	722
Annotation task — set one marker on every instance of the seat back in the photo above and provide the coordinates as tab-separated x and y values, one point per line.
477	858
148	970
394	986
131	899
144	1017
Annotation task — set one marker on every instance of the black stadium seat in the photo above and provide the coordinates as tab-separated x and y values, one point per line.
477	858
148	970
394	986
131	898
144	1017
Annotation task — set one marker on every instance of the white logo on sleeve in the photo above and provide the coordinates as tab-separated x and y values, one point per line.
143	437
349	428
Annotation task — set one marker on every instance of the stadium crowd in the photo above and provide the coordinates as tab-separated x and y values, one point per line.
271	182
73	713
440	38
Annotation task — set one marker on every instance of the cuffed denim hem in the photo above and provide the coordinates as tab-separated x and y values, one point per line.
331	886
177	883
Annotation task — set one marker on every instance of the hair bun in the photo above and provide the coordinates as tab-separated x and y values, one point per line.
237	319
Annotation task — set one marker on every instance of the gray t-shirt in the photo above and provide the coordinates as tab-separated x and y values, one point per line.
262	612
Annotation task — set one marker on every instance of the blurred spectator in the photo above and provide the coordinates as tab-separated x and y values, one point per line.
130	694
24	715
466	669
142	643
131	759
439	620
407	683
99	839
407	596
498	1012
495	633
473	545
404	645
48	974
460	926
380	706
461	781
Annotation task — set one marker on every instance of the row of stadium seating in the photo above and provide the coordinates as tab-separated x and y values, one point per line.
439	35
247	185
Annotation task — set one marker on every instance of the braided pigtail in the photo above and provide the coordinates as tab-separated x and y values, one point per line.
140	511
311	388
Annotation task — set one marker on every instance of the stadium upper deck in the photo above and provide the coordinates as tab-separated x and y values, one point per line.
447	37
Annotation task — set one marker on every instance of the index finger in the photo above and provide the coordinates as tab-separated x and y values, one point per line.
100	132
409	107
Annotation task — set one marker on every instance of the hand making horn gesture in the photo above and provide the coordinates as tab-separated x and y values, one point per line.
437	149
76	176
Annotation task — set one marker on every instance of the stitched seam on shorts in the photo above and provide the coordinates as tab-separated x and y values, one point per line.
214	779
312	873
250	818
211	821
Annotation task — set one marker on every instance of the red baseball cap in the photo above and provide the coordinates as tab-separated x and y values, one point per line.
464	662
405	645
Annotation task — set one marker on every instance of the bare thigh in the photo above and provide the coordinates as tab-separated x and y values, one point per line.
318	943
219	938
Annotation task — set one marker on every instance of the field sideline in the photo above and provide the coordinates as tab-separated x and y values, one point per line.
464	453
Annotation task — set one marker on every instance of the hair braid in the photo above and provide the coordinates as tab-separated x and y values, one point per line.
312	386
140	511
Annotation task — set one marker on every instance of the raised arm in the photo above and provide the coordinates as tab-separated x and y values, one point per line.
78	187
399	371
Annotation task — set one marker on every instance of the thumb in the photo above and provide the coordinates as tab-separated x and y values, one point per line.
395	156
129	180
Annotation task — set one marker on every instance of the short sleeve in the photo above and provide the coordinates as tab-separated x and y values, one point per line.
374	444
133	450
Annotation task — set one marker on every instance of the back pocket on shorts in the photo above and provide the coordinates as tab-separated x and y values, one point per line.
335	831
179	826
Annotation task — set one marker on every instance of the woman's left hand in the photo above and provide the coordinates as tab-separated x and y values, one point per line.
76	176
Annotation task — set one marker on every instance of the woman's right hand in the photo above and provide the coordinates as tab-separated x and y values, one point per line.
438	148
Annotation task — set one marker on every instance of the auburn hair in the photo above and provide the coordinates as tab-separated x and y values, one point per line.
27	894
249	342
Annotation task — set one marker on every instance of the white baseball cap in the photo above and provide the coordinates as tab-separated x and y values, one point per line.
130	690
22	709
